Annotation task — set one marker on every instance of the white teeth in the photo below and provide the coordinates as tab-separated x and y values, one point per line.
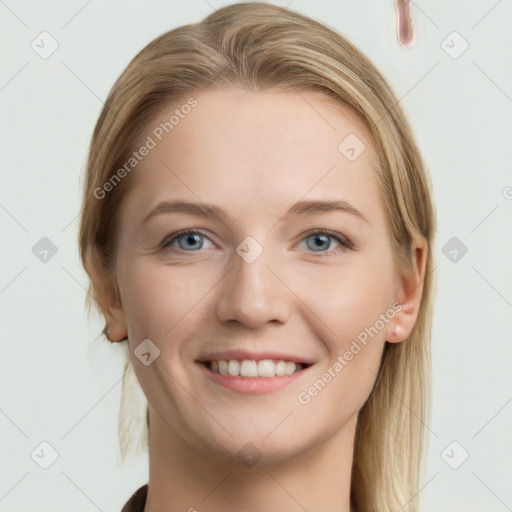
251	368
266	368
248	368
223	367
281	368
233	367
290	368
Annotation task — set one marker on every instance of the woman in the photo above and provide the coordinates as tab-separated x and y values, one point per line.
279	374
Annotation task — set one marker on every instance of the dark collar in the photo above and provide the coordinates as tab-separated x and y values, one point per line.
137	501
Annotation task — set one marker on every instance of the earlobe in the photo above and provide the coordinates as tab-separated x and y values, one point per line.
106	294
409	294
115	318
397	334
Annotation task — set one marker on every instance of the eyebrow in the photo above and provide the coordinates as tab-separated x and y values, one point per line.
300	208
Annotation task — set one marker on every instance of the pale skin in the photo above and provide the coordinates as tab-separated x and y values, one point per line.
255	154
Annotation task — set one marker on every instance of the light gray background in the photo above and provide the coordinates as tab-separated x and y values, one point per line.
55	388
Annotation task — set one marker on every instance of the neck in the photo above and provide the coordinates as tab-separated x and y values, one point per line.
183	478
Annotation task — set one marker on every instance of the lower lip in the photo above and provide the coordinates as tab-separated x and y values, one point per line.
252	385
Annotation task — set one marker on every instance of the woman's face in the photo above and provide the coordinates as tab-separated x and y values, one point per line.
256	278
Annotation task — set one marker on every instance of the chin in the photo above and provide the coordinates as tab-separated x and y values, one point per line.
252	449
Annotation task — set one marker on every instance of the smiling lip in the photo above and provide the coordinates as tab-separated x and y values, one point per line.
251	385
240	355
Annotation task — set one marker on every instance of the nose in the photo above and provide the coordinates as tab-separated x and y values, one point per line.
252	294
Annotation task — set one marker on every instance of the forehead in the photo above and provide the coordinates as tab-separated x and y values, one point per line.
253	151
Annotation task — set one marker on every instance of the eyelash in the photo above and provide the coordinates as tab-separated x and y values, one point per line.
342	240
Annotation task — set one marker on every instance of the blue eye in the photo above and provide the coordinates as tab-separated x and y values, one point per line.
191	240
322	240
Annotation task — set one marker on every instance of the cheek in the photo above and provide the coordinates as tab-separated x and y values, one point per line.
348	303
156	297
161	303
347	298
353	334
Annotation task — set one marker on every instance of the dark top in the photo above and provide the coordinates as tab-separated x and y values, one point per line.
137	501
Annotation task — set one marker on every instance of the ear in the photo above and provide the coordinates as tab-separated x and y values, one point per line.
408	293
106	294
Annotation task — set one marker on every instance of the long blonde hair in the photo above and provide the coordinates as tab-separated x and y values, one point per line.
258	46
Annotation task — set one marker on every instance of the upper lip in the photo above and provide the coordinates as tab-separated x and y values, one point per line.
256	356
